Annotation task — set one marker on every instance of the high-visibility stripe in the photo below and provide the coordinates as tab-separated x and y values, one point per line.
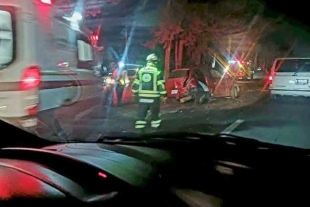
149	92
156	122
149	95
141	122
136	81
140	126
155	125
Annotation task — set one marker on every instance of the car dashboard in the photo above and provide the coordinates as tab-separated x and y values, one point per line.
163	173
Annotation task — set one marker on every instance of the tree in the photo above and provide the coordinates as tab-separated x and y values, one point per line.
201	28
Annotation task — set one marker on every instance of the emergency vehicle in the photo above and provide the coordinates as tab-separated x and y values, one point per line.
46	68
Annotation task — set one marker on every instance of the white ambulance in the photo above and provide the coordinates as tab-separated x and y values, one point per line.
47	82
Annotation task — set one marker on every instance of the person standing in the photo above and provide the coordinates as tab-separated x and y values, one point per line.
121	80
149	87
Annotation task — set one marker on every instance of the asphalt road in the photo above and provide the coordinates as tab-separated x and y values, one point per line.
285	121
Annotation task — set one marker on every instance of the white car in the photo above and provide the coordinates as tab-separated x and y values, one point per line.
290	77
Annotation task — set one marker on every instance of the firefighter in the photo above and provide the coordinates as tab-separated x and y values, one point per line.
149	87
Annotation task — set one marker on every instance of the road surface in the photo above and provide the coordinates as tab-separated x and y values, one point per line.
285	121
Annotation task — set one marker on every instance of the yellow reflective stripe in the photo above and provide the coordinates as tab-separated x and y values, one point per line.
134	91
136	81
155	125
156	122
141	122
146	91
140	126
162	85
161	81
149	95
163	92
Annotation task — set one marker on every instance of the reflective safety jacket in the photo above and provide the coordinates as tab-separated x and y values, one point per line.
149	82
121	78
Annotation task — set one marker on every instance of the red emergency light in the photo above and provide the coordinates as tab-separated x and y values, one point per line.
49	2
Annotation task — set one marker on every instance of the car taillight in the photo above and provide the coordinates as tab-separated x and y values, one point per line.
33	110
31	78
270	78
240	74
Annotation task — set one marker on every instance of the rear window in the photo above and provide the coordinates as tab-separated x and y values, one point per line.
179	74
296	65
7	35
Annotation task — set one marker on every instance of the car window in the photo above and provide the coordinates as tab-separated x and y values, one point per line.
179	74
216	74
200	76
6	36
295	65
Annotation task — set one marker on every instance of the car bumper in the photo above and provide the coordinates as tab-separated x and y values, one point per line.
302	93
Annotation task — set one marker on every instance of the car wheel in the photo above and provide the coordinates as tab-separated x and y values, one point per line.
199	98
234	93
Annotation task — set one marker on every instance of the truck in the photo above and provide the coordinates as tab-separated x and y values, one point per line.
47	82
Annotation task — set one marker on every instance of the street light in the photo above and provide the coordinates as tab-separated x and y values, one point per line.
77	16
121	64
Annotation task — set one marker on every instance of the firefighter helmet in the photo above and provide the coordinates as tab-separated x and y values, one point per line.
152	58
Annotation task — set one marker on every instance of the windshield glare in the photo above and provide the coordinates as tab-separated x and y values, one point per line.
169	67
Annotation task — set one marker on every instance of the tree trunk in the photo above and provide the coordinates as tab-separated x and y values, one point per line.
167	60
176	54
180	53
198	59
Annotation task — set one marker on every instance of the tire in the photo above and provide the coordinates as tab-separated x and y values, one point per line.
200	98
235	92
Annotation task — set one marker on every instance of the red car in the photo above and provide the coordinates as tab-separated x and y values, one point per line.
185	82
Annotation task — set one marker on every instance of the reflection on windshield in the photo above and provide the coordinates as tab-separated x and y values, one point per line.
60	80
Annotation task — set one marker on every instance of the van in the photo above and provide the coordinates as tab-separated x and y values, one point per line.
290	77
47	82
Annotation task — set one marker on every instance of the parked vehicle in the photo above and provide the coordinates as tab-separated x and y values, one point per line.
186	83
222	85
290	77
46	69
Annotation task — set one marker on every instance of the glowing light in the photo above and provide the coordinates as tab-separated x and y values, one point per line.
121	64
77	16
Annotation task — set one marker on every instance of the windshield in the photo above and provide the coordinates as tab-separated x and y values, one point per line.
295	65
62	63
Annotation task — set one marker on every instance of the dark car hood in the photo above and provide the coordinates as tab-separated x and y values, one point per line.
132	164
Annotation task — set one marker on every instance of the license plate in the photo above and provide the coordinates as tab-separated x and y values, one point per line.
302	81
174	91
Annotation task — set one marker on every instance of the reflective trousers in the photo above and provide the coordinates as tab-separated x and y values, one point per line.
144	105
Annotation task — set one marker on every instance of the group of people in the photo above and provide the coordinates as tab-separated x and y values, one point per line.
149	89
